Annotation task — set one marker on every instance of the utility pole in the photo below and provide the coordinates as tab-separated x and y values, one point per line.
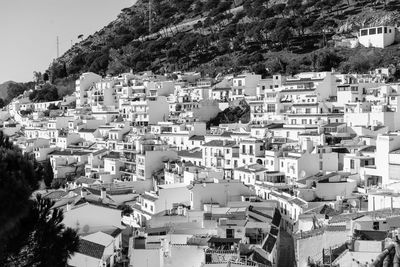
58	47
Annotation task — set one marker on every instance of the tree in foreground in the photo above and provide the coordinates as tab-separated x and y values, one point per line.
31	232
18	179
47	242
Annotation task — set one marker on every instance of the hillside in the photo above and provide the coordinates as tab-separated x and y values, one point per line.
4	88
233	35
11	89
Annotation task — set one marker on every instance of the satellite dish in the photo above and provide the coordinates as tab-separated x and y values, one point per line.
353	203
303	174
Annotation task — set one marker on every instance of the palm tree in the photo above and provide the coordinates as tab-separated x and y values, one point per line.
37	76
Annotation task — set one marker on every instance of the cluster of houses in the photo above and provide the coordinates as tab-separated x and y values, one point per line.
147	182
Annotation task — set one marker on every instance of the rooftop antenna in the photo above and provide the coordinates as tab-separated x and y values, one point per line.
58	47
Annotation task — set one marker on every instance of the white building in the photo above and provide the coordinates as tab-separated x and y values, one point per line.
82	86
377	36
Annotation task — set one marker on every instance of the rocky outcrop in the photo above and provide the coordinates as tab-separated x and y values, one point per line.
369	18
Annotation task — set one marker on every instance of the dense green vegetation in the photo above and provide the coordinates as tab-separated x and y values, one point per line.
230	36
48	92
31	233
237	112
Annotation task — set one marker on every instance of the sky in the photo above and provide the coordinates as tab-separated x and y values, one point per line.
29	30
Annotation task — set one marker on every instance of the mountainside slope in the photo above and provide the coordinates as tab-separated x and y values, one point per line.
4	88
229	36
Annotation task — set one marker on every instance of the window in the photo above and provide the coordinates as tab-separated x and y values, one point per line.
308	110
352	164
151	207
304	121
385	30
243	149
372	31
379	30
365	32
375	225
230	233
390	30
271	108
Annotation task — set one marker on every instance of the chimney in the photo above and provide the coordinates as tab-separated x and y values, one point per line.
68	206
83	192
103	193
308	145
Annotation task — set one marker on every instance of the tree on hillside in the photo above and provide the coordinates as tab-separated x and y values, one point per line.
47	93
14	90
47	173
46	76
57	70
37	77
282	33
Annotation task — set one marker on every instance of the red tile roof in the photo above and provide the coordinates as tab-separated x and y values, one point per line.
91	249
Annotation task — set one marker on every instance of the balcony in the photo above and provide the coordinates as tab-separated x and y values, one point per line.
258	111
127	170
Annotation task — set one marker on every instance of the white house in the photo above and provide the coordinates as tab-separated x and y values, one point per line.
377	36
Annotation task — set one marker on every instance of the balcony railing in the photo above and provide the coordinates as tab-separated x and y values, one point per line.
127	170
